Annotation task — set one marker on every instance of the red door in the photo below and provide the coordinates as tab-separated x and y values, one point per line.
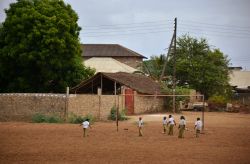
129	100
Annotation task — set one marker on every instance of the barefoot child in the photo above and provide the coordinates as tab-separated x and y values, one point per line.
164	123
171	121
198	126
140	125
85	124
182	126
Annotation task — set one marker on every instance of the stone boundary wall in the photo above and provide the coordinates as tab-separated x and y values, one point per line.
148	104
22	106
98	106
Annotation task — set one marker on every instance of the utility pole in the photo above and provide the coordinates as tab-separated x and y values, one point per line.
174	69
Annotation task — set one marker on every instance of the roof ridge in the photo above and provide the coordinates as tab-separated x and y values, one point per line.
111	48
131	51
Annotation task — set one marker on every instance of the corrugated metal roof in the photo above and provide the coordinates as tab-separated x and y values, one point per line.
108	50
241	79
140	83
106	64
137	82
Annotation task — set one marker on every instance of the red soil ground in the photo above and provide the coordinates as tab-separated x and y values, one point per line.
226	139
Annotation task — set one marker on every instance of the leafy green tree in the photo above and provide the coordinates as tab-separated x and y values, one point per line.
200	67
39	47
154	66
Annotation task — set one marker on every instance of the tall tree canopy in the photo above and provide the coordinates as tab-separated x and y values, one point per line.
199	66
39	47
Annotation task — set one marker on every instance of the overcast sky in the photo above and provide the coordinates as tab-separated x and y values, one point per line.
146	26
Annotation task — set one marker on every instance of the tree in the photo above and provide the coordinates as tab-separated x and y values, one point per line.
200	67
154	66
39	47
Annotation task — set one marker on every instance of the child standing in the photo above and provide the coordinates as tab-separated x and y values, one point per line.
198	126
171	122
85	124
182	126
140	125
164	123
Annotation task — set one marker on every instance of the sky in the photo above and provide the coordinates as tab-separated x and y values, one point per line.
146	26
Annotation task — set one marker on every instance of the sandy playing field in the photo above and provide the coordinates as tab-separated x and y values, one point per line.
226	140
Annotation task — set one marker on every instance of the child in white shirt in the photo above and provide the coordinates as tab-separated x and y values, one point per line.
197	127
164	123
182	126
140	125
85	124
171	122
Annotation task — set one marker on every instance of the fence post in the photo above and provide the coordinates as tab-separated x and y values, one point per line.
203	110
67	104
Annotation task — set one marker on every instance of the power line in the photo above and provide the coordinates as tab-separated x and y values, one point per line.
126	30
220	25
210	27
149	32
162	26
107	25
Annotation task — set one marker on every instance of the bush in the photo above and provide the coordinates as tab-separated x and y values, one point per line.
76	119
217	103
121	116
38	118
168	101
41	118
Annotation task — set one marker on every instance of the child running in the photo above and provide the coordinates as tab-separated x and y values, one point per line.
140	125
164	123
182	126
85	124
198	126
171	121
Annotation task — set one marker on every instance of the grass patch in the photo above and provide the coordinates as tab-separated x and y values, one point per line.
41	118
76	119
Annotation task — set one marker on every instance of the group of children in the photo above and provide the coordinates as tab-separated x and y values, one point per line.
171	123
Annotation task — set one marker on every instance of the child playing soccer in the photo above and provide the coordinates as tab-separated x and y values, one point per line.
181	127
85	124
164	123
140	125
197	127
171	121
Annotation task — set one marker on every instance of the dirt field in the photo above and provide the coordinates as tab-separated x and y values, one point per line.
226	140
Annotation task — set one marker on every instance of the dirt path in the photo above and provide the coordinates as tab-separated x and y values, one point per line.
226	140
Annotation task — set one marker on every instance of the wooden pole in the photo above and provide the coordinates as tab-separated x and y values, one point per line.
203	112
66	104
166	60
117	109
174	72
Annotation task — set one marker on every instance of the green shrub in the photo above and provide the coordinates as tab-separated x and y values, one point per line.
168	101
217	103
121	115
41	118
76	119
54	119
38	118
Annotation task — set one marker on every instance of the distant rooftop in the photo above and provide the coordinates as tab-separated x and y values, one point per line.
108	50
240	79
108	64
235	68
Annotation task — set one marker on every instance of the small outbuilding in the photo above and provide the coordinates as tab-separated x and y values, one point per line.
135	92
112	84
